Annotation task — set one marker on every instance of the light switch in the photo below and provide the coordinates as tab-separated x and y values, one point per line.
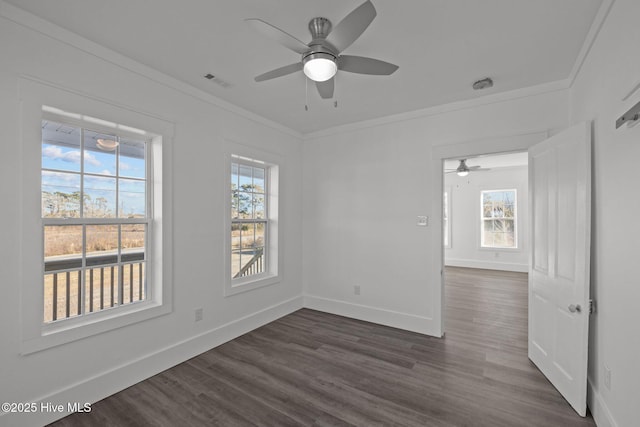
423	221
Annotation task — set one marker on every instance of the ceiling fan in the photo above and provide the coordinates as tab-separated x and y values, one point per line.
321	58
463	169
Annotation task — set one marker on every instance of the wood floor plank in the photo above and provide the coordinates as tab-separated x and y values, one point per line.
317	369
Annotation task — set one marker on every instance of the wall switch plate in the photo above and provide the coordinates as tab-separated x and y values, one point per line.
423	221
198	314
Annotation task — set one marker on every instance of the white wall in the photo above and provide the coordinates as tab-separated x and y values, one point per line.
363	188
465	250
91	368
611	70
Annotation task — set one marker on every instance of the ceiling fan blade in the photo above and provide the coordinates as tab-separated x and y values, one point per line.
275	33
352	26
363	65
325	89
279	72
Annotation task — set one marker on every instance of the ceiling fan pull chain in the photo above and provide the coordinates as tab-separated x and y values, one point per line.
306	93
335	91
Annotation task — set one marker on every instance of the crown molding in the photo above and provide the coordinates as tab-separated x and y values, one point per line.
495	98
592	35
55	32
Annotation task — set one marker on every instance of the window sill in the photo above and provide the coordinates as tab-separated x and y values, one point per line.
488	249
251	284
73	329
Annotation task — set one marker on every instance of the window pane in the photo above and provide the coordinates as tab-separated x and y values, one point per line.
509	210
99	197
132	200
60	195
62	245
65	286
60	147
247	234
244	206
133	238
258	180
234	191
99	157
234	205
234	176
132	159
258	206
245	180
259	235
102	244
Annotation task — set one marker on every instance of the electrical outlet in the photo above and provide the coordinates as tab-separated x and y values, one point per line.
607	377
423	221
198	314
356	290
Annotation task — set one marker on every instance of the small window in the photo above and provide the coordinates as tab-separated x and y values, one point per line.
252	236
498	210
95	218
249	224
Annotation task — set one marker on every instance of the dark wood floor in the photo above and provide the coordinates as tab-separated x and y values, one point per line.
317	369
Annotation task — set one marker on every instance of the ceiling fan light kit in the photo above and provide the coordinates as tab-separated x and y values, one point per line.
320	66
322	57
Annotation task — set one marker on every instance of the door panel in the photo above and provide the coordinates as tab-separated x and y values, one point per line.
560	208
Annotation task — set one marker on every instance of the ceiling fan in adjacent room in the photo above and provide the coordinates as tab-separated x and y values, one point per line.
463	169
322	57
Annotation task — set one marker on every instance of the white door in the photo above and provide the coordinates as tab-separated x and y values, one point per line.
560	213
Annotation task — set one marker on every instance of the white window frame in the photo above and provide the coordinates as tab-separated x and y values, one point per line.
273	267
88	221
515	222
42	101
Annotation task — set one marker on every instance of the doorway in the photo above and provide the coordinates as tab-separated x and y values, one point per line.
506	144
558	283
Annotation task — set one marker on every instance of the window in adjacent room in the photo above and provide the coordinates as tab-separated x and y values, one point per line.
498	227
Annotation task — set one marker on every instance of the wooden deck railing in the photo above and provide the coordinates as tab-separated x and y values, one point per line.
107	284
254	266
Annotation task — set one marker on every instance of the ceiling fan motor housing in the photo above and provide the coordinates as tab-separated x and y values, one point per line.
319	28
319	47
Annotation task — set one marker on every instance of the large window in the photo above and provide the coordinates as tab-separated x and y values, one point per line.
95	218
498	210
252	243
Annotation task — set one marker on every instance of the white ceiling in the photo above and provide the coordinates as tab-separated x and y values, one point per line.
441	46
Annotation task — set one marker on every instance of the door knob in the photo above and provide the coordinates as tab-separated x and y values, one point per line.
575	307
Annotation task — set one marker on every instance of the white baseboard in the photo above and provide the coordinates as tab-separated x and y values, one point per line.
107	383
409	322
599	409
487	265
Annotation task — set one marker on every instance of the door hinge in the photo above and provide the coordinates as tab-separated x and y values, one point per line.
592	306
